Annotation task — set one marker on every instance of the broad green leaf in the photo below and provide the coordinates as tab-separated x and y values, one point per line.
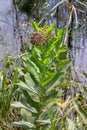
25	106
24	86
35	26
60	32
32	101
22	124
44	122
51	49
38	52
60	36
62	53
33	65
49	30
54	82
33	69
62	49
51	96
51	62
29	81
47	80
63	65
38	63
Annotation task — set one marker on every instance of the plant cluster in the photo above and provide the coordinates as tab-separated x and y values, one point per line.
8	86
43	67
39	86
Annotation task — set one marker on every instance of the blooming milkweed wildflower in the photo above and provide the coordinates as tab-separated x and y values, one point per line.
39	37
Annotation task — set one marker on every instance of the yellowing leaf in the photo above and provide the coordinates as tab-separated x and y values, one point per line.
60	102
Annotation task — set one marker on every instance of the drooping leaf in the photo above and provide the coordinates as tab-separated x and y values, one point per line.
47	80
54	82
63	65
24	86
44	122
38	52
22	124
32	101
33	69
38	63
25	106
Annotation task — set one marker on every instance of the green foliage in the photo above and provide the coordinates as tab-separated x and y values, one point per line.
7	90
39	77
8	86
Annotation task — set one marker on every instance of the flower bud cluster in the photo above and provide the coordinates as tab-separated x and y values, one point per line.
39	37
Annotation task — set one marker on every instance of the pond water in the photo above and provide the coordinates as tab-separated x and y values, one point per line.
14	28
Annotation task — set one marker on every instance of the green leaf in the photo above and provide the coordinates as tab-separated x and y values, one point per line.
65	84
25	125
32	101
44	122
35	26
50	101
54	82
24	86
38	52
33	65
62	49
47	80
0	128
51	48
25	106
59	33
38	63
49	30
63	65
33	69
81	111
51	62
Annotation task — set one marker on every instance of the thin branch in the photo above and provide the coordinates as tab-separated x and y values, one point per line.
74	9
47	14
81	3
